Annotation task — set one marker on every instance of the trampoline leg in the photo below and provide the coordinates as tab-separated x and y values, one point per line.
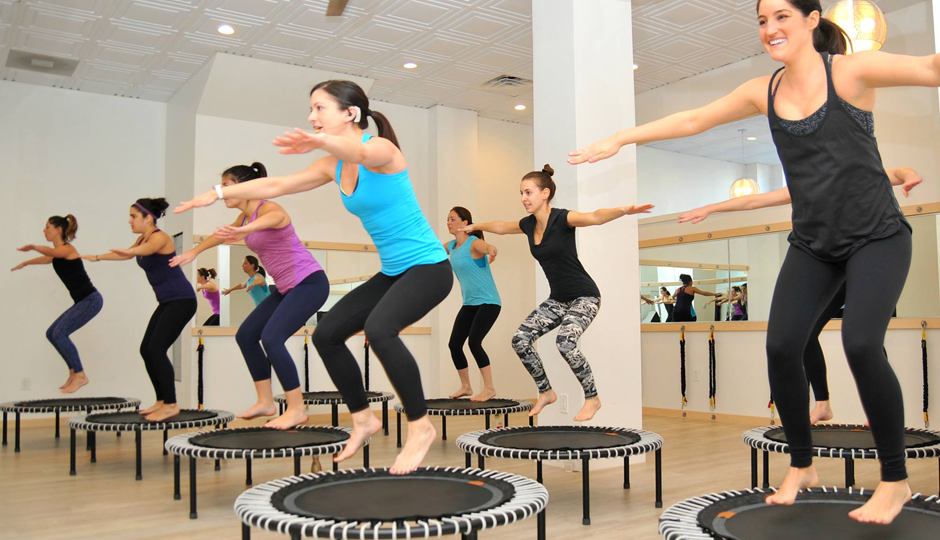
88	441
385	417
541	517
506	420
398	427
487	420
295	536
335	465
766	469
626	472
16	434
659	478
164	442
586	490
218	465
72	452
93	440
753	468
469	463
137	437
296	464
246	532
192	488
57	424
531	421
365	457
335	412
247	471
4	429
469	536
849	472
176	478
481	461
444	427
538	471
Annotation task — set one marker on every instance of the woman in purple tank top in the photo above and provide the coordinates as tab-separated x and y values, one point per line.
302	288
176	300
210	291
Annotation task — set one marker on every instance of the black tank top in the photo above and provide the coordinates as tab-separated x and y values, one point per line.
73	276
683	302
842	197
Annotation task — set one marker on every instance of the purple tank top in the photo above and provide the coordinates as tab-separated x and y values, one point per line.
282	254
214	298
168	282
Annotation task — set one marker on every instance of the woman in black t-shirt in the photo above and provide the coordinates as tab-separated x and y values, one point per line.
574	298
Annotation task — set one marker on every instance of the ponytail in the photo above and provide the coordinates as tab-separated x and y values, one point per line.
68	224
244	173
207	273
155	208
828	37
253	261
349	94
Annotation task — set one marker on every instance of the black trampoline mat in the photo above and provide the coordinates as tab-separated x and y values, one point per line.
267	439
186	415
71	402
559	438
373	496
815	520
852	438
335	395
466	404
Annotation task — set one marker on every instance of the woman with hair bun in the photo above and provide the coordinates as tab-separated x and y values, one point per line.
574	299
210	291
67	263
176	300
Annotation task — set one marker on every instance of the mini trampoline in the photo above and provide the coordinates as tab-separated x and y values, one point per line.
445	407
567	443
819	514
254	443
133	421
335	399
371	503
845	441
58	406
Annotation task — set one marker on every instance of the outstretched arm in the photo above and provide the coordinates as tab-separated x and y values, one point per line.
748	202
374	153
37	260
482	248
904	177
605	215
60	252
270	216
495	227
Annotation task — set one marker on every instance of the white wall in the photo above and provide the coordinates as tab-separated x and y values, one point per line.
90	155
679	182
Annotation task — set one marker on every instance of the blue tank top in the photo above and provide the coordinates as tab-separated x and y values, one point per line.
389	211
476	279
168	282
258	292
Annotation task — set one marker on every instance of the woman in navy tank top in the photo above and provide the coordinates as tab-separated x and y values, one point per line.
848	227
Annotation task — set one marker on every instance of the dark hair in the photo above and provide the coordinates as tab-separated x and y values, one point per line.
464	215
828	36
244	173
349	94
252	260
68	224
543	179
736	288
156	207
685	279
207	272
663	289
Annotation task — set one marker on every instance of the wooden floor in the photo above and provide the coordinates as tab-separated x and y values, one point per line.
39	500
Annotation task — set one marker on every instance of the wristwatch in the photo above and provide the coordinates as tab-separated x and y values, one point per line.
218	190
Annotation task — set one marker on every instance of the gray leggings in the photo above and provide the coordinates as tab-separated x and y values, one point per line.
572	319
74	318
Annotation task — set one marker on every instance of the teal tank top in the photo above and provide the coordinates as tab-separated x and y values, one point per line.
388	208
475	277
258	292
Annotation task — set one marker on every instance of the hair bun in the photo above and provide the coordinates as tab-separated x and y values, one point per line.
547	169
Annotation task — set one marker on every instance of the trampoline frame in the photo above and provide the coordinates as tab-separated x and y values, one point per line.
180	445
80	423
649	441
17	410
756	438
334	404
521	406
254	508
680	521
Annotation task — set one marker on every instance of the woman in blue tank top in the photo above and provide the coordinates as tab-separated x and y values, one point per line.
372	176
470	258
176	300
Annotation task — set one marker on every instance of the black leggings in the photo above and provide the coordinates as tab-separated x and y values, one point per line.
213	320
813	360
472	322
873	277
383	307
166	324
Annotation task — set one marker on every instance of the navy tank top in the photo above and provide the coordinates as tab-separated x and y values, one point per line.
168	282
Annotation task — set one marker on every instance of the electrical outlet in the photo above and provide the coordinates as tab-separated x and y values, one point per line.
695	375
563	403
25	385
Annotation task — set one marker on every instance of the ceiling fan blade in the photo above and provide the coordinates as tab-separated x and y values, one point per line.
336	8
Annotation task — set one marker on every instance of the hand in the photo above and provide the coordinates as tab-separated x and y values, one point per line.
648	301
910	183
231	234
299	142
226	291
637	209
90	258
492	254
18	267
183	259
468	229
248	288
27	247
198	201
695	216
593	153
122	252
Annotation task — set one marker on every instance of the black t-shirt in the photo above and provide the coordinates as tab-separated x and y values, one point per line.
557	254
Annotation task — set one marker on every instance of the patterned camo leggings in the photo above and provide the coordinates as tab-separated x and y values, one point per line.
572	319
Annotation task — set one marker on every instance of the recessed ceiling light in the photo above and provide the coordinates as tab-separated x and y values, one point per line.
226	29
519	107
752	138
410	65
635	67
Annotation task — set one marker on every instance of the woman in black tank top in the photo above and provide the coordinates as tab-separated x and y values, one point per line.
847	225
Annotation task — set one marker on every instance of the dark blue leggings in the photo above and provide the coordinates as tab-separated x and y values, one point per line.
275	319
69	322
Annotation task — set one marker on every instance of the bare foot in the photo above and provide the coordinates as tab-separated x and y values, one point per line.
463	392
78	381
545	399
315	467
69	380
821	412
151	409
590	408
290	419
421	435
258	409
485	395
796	480
885	503
365	425
165	412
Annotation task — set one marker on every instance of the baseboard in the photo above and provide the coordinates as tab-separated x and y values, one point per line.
710	416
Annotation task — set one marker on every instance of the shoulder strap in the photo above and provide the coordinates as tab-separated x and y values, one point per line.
254	215
830	86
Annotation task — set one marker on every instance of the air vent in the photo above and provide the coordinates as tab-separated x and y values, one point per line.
40	63
508	85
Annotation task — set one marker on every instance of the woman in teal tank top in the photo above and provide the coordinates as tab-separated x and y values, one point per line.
372	176
256	286
470	257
